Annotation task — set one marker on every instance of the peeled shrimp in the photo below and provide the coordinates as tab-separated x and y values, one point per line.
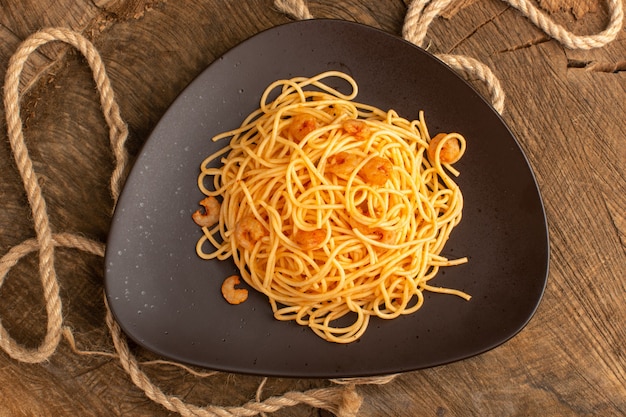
342	163
357	128
248	231
300	126
211	213
450	150
230	293
376	171
310	239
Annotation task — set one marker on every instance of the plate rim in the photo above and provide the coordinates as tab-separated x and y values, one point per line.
312	374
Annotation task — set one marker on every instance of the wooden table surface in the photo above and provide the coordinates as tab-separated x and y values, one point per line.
566	107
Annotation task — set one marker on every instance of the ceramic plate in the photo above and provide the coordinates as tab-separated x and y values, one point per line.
168	300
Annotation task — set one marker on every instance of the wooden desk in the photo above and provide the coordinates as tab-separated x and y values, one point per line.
565	106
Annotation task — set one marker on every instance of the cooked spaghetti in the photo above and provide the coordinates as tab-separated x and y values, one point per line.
337	211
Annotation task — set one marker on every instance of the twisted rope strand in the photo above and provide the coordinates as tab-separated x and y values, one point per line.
419	16
45	243
421	13
40	217
118	130
330	399
469	67
567	38
296	9
12	257
66	240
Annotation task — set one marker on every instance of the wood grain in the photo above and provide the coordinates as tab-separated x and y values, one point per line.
565	107
579	8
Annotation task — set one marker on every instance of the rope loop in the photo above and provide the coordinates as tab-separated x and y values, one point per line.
45	241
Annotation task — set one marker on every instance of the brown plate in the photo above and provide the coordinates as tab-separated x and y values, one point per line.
168	300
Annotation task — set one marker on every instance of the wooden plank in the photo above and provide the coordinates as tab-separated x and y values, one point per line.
578	7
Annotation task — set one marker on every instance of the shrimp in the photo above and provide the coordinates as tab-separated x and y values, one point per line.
450	150
357	128
376	171
342	163
300	126
230	293
211	213
248	231
310	239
